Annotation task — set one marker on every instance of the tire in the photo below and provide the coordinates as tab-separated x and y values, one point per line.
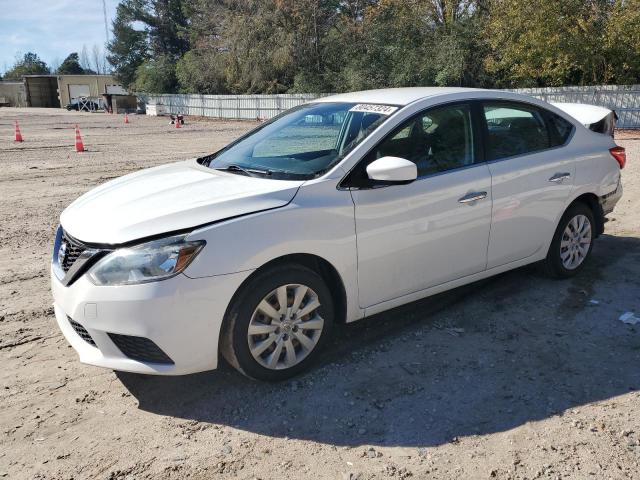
244	350
560	261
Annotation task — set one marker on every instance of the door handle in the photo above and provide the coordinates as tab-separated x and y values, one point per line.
559	177
472	197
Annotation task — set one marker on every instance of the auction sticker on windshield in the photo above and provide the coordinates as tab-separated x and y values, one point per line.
371	108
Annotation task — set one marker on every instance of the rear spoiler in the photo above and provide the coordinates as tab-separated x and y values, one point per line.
598	119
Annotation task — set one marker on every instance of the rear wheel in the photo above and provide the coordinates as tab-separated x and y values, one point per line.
277	324
572	242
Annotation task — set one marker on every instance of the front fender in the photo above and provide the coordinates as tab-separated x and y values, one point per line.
319	221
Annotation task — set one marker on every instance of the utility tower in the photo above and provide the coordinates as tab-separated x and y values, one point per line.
106	23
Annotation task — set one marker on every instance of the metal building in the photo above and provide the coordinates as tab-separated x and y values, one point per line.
56	91
71	87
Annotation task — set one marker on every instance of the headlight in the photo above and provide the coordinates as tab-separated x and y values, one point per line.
148	262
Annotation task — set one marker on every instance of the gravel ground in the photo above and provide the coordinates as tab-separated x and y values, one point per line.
516	377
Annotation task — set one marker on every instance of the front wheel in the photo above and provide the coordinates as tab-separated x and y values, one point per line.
277	323
572	242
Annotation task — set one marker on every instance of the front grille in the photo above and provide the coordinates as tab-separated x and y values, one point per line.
140	348
73	251
82	332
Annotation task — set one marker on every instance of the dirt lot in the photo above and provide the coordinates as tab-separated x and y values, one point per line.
516	377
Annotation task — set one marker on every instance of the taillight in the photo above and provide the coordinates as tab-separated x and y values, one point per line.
619	154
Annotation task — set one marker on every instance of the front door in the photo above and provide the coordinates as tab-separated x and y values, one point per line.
435	229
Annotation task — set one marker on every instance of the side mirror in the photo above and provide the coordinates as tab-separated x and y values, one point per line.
392	170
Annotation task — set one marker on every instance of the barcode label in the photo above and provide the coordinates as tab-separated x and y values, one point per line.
372	108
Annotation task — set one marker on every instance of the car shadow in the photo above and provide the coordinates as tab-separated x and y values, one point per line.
479	359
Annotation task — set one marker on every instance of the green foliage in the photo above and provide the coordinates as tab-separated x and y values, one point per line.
622	41
257	49
29	64
459	55
128	48
71	65
201	71
149	36
275	46
390	46
156	75
577	42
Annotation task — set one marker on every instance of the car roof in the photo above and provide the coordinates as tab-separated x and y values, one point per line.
395	96
407	95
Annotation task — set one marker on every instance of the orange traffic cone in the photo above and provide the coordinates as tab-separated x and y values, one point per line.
79	144
126	118
18	134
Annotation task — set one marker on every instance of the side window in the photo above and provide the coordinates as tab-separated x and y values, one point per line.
514	130
436	140
559	129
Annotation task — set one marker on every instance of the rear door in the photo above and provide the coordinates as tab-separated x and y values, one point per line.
532	177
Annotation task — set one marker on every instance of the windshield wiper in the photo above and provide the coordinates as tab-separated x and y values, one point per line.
250	172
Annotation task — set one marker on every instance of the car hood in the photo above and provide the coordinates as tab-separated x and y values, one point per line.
168	198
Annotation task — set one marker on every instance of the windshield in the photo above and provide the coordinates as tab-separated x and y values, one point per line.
303	142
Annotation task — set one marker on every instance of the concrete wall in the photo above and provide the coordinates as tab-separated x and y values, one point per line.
14	93
97	85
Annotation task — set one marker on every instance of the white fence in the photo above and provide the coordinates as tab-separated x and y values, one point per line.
624	99
238	107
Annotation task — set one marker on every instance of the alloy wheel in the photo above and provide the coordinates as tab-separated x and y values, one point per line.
285	326
575	242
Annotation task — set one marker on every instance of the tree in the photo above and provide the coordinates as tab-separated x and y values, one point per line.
248	43
167	27
275	46
71	65
149	32
389	30
128	49
308	24
395	43
460	48
203	68
156	76
547	43
83	59
622	41
202	71
29	64
257	49
54	64
98	60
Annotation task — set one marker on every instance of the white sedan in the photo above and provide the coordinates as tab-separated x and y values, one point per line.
331	212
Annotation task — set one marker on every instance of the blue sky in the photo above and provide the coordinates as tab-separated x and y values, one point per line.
51	28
